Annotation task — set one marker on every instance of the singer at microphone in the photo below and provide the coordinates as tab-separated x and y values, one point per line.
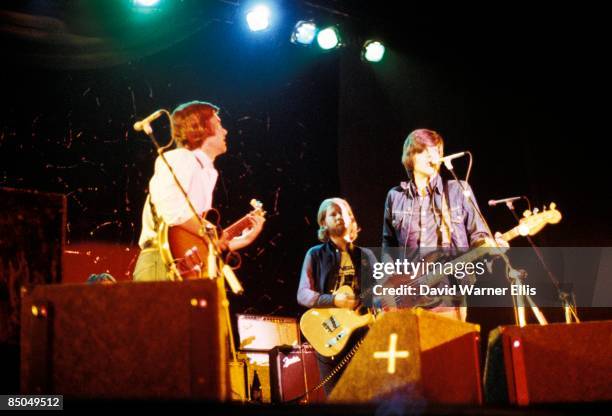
431	212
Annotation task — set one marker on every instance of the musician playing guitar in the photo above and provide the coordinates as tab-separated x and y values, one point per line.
200	138
329	266
428	212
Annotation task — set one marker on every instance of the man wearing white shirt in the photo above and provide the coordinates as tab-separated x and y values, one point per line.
200	138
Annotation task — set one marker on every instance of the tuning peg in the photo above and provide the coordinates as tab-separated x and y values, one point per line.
536	210
552	206
527	213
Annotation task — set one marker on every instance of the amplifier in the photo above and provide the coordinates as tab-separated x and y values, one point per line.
291	369
262	333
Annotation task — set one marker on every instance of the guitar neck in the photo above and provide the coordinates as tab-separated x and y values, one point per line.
238	227
511	234
470	256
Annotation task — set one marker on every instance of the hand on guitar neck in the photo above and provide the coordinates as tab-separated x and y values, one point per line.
499	243
233	243
251	226
187	247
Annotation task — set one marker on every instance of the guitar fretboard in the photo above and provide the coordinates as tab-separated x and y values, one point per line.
238	227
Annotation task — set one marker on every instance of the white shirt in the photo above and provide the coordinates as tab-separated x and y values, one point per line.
198	176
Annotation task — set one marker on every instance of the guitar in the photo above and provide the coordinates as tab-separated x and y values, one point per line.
329	329
529	225
187	254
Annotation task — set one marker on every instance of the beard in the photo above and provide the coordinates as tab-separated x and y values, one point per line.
337	231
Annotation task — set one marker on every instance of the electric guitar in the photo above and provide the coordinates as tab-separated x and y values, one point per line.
328	329
187	254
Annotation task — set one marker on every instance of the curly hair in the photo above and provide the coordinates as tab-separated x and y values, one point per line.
191	123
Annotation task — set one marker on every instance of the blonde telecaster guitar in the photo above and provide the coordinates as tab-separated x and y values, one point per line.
328	329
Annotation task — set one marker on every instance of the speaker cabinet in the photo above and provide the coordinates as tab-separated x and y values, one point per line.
414	355
130	340
549	364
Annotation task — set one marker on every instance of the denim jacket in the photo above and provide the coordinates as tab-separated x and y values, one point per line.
467	228
320	273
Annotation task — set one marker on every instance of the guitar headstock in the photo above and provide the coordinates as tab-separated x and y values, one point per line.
533	222
257	208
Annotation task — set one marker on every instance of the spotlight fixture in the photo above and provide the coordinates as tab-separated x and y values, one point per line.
304	32
145	3
373	51
328	38
258	18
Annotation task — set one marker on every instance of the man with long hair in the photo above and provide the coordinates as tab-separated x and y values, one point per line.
328	266
428	213
200	139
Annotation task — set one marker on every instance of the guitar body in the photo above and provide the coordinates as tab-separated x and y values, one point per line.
185	252
329	329
422	301
413	301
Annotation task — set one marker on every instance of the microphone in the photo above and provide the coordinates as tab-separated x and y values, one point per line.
445	159
145	122
493	202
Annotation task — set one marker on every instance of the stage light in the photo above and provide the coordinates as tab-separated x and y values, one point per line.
373	51
304	32
328	38
258	18
146	3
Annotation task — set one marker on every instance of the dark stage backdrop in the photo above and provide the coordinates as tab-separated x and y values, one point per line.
304	126
521	91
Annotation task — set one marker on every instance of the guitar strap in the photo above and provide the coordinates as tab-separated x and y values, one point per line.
156	219
445	225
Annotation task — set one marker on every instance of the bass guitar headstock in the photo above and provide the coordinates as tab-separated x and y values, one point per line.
533	221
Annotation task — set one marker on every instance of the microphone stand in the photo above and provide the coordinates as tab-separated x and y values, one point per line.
513	276
516	279
568	300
